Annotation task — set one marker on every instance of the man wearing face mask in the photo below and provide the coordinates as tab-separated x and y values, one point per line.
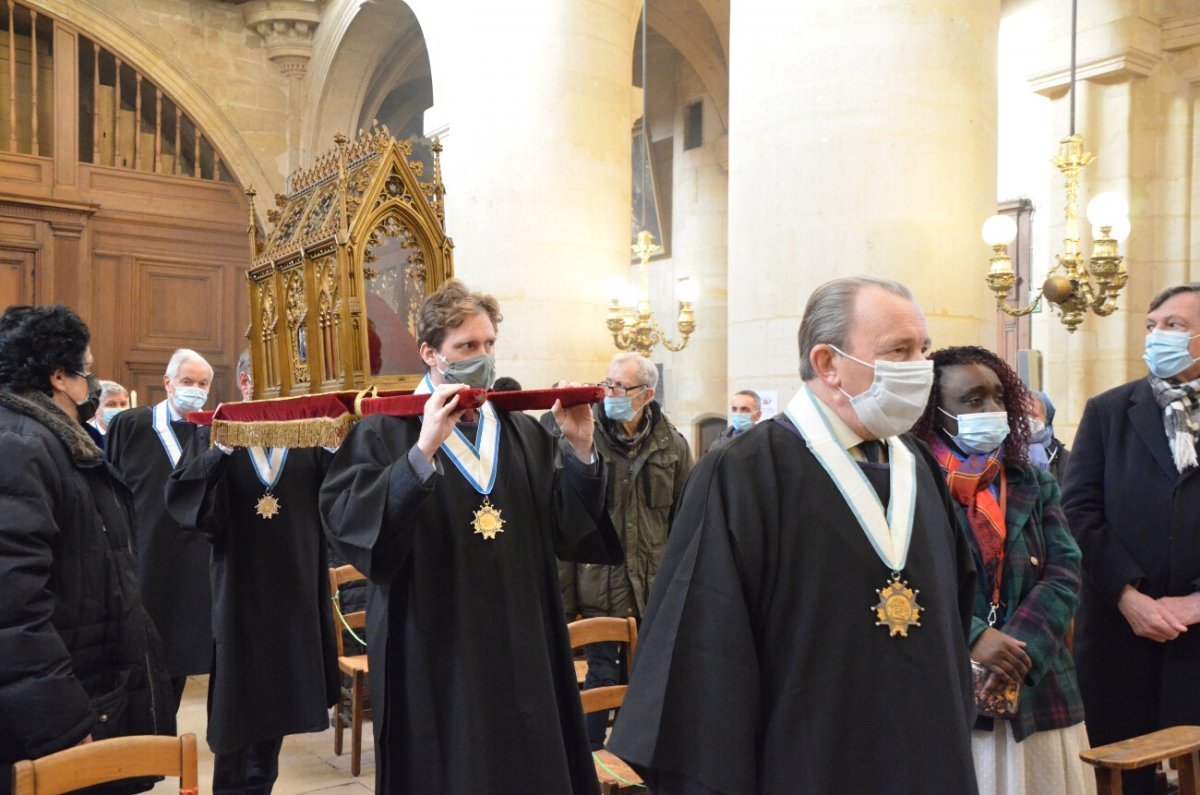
648	462
145	444
807	628
456	520
113	400
745	410
1132	496
79	657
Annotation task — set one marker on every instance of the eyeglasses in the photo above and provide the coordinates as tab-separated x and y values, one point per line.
82	375
619	390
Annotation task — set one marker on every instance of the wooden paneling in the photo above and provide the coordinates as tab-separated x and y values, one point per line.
178	305
16	276
151	262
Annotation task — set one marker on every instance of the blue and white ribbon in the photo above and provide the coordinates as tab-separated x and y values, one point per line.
891	535
478	461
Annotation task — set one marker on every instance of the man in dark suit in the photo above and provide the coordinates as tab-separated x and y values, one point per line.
1132	497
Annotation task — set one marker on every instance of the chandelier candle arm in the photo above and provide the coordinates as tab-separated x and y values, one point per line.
1075	284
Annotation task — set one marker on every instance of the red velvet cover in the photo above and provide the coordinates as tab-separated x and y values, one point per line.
395	403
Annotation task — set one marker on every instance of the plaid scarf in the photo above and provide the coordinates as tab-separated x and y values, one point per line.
1181	417
969	482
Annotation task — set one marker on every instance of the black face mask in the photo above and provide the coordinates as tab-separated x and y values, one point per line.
87	407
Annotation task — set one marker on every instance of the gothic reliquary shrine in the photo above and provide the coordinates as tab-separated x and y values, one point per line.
358	242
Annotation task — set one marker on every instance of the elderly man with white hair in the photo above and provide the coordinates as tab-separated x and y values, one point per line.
647	463
145	445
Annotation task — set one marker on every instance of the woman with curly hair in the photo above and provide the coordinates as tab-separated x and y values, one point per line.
977	425
79	657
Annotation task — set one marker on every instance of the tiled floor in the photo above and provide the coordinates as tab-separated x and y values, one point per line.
307	763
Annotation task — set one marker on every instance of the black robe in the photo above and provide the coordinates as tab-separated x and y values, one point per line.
472	684
759	668
172	564
274	668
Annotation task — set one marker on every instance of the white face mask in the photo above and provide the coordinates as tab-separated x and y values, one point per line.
896	398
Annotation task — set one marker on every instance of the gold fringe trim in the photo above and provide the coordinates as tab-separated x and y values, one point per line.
313	432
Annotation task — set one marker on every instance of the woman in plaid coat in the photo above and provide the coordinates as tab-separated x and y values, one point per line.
976	424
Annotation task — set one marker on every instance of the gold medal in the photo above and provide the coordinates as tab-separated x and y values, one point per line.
267	506
487	520
897	609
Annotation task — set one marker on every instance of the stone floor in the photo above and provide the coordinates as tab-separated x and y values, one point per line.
307	763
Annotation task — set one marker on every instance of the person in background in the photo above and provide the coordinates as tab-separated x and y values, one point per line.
648	462
274	669
1132	496
1046	451
145	444
976	423
745	410
79	658
114	399
506	384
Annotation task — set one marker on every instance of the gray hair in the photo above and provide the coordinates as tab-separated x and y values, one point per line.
1171	292
647	373
243	365
181	357
828	313
750	393
110	388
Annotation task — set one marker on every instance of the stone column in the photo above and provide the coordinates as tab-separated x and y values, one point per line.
537	168
287	28
862	140
1131	108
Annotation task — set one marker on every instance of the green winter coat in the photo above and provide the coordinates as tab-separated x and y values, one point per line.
642	494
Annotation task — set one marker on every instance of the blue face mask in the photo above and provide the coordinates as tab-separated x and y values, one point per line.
740	421
1167	353
1040	432
982	433
109	413
190	398
619	408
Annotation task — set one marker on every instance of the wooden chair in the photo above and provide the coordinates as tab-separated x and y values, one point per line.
1178	744
352	686
614	775
110	760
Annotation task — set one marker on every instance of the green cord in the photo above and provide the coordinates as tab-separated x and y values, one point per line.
338	608
610	772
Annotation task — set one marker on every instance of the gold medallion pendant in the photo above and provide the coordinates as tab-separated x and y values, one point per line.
897	609
487	520
268	506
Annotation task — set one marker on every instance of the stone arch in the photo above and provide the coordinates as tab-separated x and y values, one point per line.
170	77
368	58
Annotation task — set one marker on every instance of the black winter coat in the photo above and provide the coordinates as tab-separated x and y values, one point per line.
78	653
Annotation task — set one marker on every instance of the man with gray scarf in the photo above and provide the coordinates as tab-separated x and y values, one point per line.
648	462
1132	496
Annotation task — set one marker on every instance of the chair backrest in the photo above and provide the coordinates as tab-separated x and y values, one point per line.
356	620
598	630
110	760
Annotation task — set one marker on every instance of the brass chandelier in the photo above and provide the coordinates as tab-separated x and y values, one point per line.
1075	285
630	319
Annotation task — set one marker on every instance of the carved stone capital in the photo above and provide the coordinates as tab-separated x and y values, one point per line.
287	27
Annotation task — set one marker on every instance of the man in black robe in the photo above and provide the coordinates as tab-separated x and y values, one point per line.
788	645
274	669
456	519
145	444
